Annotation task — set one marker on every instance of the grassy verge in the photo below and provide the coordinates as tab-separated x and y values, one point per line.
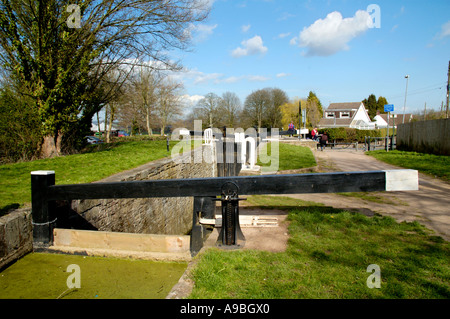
434	165
97	163
290	156
328	254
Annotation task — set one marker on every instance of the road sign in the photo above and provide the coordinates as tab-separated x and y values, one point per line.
389	107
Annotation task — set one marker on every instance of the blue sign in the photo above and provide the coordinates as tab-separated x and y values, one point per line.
389	108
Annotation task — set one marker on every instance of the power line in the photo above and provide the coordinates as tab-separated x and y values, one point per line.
421	90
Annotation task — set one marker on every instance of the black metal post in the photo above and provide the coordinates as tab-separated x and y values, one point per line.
231	235
204	207
41	209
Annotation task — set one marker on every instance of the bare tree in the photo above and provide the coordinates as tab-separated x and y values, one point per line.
230	107
169	102
273	115
208	110
145	85
256	105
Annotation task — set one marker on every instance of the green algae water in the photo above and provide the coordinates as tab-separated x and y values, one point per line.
45	276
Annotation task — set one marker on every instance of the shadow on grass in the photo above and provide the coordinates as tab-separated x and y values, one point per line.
8	208
104	147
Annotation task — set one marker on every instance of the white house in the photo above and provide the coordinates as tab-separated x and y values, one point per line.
350	114
381	120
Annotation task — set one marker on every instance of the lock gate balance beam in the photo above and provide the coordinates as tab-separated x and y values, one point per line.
45	192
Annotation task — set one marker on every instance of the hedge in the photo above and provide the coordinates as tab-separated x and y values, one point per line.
350	135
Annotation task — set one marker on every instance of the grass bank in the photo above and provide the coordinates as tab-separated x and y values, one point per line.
96	163
434	165
328	254
290	156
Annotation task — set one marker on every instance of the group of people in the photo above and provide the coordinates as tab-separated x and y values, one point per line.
322	139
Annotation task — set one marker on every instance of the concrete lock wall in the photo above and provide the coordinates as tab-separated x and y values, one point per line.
16	237
169	216
431	136
151	216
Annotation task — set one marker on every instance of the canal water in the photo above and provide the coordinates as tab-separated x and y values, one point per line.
48	276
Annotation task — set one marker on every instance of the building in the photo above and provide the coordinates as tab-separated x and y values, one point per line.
381	120
349	114
355	115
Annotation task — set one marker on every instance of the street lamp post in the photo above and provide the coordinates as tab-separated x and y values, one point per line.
406	93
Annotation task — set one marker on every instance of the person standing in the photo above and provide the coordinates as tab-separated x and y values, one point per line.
291	129
314	134
323	140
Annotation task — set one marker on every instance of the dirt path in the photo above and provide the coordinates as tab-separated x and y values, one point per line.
430	205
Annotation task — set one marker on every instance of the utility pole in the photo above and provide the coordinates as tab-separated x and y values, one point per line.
406	93
448	88
425	112
299	117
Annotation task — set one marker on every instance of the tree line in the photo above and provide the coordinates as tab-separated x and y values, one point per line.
262	108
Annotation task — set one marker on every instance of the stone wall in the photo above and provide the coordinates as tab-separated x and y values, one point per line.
16	237
170	216
431	136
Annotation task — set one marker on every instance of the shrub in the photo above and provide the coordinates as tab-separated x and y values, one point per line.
351	135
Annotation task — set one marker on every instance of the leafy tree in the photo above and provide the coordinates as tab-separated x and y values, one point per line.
19	128
314	109
374	106
290	113
63	68
382	101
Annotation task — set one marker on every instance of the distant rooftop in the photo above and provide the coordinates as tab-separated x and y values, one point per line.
344	106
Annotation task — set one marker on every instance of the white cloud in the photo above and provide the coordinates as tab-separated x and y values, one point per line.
282	75
191	100
230	79
330	35
245	28
445	30
284	35
197	77
200	32
250	47
204	78
257	78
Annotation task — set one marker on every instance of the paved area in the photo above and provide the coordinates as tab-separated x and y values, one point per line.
430	205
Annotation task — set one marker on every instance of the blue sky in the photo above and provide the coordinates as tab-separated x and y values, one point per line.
337	49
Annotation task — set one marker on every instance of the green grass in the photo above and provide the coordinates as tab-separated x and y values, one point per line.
328	253
100	162
44	276
290	157
434	165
